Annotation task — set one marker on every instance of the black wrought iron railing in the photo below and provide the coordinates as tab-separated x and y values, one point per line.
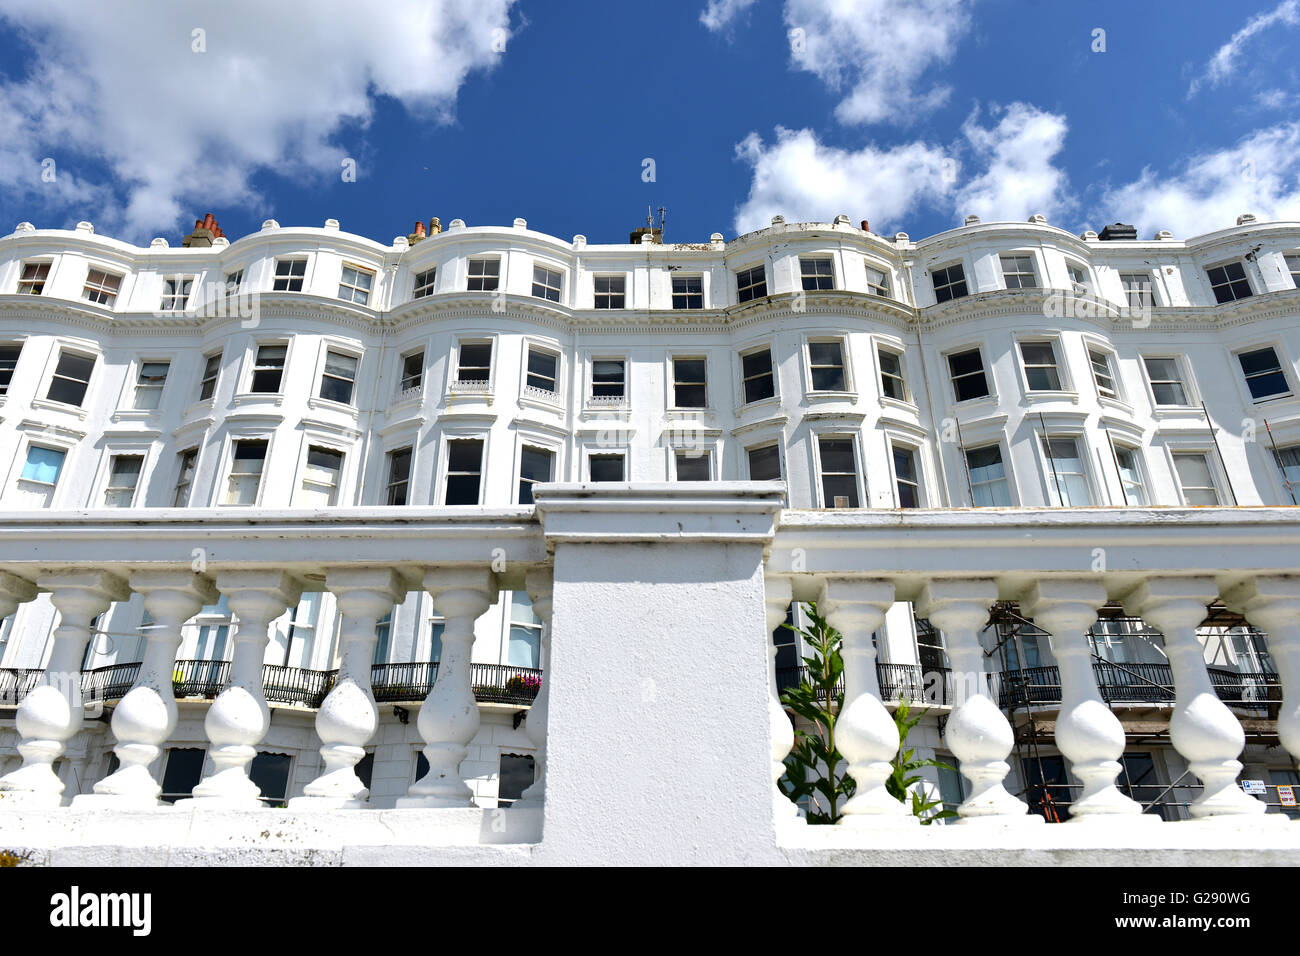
897	682
1141	684
492	683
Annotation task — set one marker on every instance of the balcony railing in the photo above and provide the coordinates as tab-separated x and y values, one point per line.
897	682
393	683
1139	684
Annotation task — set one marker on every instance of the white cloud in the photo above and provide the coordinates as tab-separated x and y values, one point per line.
877	51
1224	61
719	13
1017	154
277	83
804	180
1260	175
1011	162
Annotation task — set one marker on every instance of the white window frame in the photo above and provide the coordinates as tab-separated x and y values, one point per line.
42	281
178	299
817	256
1139	466
402	377
1149	292
42	399
470	277
591	453
748	271
854	439
1051	472
91	290
196	451
410	449
491	342
288	277
883	289
251	366
531	392
821	339
355	287
137	370
690	296
344	349
674	451
936	286
780	459
592	400
1064	383
221	487
205	358
41	440
1284	366
1245	274
671	379
444	466
548	273
537	443
1190	392
596	294
106	486
423	290
1112	365
744	353
985	370
897	352
1008	475
1033	273
896	444
1291	265
1212	466
314	440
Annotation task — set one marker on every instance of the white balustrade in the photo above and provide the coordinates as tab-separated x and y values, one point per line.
865	732
778	596
1202	728
449	717
977	732
238	719
1273	604
348	717
48	717
540	585
1087	731
146	717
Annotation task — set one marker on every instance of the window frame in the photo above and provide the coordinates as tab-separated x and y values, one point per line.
917	483
609	296
41	280
1212	467
525	443
329	348
547	273
674	383
1051	473
176	301
746	292
406	482
56	356
192	454
820	474
310	444
1291	265
949	284
689	296
899	355
1111	360
45	443
6	384
1033	273
1008	476
358	271
484	276
106	485
1283	367
1060	367
985	372
1134	451
222	491
288	277
1149	293
1229	283
422	290
457	366
215	378
138	367
529	391
777	446
1190	393
842	340
591	454
592	399
92	290
253	366
885	287
748	352
817	276
446	474
404	377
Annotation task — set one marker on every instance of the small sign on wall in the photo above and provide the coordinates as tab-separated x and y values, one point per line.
1286	795
1255	788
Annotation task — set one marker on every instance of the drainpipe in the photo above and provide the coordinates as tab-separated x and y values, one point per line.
925	379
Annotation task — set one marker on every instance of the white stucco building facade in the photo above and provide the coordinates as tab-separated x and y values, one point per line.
1000	369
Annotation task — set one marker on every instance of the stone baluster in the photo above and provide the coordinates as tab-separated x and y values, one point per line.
146	717
778	596
13	592
540	585
238	719
865	732
1202	729
1273	603
1087	731
53	711
977	732
449	716
348	717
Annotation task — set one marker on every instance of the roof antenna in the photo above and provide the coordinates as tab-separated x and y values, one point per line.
663	218
649	217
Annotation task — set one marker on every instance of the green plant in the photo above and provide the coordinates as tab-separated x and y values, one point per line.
11	858
812	768
900	782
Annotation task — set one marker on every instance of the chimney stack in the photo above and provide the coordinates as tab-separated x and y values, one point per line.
205	230
417	235
866	226
435	226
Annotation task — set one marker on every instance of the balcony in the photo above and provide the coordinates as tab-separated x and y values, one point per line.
1141	684
660	701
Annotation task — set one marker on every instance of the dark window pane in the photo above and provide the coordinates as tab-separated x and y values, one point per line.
271	774
606	467
183	773
828	379
693	467
765	463
516	777
837	455
464	455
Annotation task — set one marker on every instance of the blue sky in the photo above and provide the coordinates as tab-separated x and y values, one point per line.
911	115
